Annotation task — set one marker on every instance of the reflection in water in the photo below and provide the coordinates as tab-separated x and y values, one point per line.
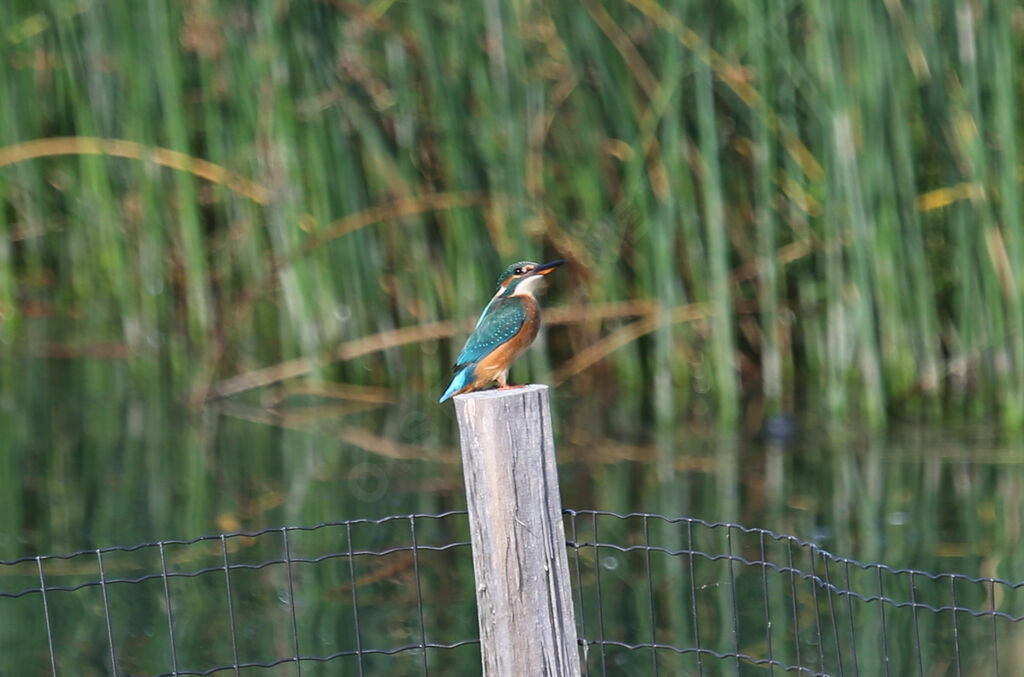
92	456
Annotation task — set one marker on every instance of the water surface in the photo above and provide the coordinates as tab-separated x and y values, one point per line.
96	454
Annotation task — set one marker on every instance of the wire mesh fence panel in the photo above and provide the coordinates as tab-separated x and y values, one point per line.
654	596
664	596
359	597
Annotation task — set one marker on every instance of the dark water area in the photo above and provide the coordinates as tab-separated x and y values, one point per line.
93	455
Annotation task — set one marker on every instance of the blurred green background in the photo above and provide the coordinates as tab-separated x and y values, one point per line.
242	242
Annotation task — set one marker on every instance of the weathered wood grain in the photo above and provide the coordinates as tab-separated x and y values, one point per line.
524	600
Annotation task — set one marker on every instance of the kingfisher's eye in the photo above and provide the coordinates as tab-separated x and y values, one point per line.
518	271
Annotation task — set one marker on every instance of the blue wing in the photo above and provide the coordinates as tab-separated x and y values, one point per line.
501	320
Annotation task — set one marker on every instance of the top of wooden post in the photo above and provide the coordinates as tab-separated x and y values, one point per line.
501	392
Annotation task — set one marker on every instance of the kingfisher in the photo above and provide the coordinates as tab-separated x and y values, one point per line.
505	329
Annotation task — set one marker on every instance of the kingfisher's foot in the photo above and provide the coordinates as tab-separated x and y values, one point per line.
510	387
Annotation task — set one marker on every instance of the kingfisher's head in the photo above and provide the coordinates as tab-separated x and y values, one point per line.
523	277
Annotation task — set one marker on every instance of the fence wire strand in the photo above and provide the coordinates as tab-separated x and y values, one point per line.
653	595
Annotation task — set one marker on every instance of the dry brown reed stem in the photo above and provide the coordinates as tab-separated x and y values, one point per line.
321	423
301	366
338	391
943	197
89	145
386	572
598	351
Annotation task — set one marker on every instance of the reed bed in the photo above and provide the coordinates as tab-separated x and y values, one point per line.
798	201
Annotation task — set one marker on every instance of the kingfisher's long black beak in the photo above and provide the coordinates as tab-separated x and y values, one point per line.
545	268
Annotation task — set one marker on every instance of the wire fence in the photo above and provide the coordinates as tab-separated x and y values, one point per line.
654	595
672	596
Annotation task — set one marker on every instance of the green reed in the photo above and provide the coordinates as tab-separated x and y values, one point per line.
837	182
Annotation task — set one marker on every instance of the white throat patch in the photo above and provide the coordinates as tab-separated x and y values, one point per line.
527	286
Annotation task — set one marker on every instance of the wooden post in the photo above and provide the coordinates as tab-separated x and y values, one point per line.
523	594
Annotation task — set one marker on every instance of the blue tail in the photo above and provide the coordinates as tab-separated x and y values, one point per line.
461	380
